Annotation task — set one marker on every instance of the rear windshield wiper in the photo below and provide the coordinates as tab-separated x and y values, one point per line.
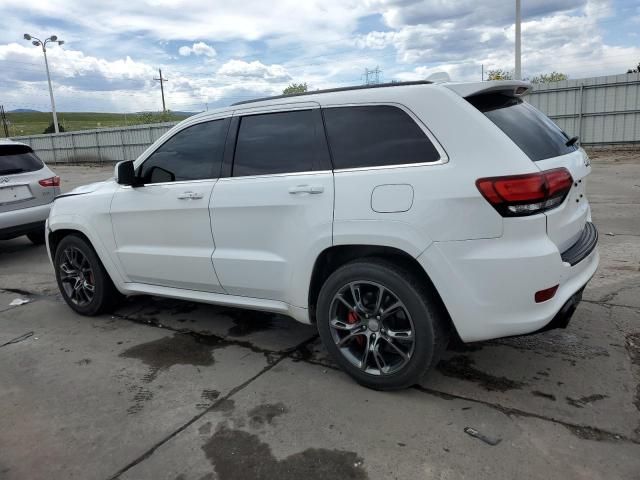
12	170
572	141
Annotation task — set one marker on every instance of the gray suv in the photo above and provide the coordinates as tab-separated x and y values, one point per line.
27	190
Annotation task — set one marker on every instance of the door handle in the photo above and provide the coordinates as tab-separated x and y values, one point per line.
313	189
189	196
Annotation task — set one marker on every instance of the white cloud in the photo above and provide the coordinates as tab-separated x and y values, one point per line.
255	70
194	19
114	49
199	48
400	13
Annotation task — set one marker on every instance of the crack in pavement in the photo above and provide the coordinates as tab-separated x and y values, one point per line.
608	304
584	432
610	296
220	401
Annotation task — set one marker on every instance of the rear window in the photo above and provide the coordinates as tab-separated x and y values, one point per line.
374	136
529	128
18	159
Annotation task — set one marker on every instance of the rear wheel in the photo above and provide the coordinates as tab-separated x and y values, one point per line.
82	279
36	237
380	324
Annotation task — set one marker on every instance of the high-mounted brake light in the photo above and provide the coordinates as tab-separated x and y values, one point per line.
50	182
520	195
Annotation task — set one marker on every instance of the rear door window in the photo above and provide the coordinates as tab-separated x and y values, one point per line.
529	128
272	143
18	159
374	136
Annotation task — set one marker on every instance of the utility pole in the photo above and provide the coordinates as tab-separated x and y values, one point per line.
4	121
518	72
162	80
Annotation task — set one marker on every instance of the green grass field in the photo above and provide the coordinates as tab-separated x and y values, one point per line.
33	123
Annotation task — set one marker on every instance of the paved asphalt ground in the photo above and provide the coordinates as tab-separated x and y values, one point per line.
174	390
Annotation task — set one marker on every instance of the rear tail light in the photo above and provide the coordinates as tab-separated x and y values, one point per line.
50	182
520	195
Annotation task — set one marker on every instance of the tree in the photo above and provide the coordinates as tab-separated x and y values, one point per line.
499	74
634	70
294	88
549	77
52	129
152	117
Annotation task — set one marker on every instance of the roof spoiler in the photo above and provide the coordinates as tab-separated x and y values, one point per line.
512	88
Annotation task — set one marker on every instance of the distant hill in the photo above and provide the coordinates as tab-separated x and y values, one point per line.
31	122
23	110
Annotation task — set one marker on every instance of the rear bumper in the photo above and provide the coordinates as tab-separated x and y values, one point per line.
19	222
488	286
583	247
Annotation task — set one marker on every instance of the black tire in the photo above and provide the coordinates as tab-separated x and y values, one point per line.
36	237
428	322
105	295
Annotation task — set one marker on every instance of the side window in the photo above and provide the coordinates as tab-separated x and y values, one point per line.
194	153
282	142
375	135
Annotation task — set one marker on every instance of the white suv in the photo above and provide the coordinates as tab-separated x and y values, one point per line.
390	217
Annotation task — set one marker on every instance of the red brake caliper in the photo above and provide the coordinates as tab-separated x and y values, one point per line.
352	317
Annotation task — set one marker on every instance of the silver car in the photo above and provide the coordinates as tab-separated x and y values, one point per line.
27	190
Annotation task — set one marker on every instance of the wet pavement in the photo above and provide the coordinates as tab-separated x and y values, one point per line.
177	390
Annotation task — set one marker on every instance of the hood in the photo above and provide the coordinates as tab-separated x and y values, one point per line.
89	188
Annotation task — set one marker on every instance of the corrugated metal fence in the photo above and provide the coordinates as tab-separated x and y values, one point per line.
602	111
101	145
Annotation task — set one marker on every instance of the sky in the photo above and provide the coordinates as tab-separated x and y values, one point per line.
214	52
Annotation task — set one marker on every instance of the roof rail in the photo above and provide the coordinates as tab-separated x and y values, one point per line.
340	89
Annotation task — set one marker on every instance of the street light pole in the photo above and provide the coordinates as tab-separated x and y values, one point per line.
53	102
37	42
518	72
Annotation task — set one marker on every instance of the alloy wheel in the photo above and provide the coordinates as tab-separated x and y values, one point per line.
76	276
372	328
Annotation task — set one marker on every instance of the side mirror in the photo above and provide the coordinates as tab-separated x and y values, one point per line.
125	174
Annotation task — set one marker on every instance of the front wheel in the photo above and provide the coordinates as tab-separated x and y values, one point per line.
82	279
381	324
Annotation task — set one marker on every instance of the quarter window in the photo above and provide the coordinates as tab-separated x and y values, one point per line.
282	142
375	135
194	153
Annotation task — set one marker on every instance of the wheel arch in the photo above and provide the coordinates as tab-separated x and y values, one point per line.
333	257
54	237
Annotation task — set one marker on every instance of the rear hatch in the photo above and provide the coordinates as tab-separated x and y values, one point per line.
549	148
20	172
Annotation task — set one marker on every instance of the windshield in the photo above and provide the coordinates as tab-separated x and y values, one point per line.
529	128
18	159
